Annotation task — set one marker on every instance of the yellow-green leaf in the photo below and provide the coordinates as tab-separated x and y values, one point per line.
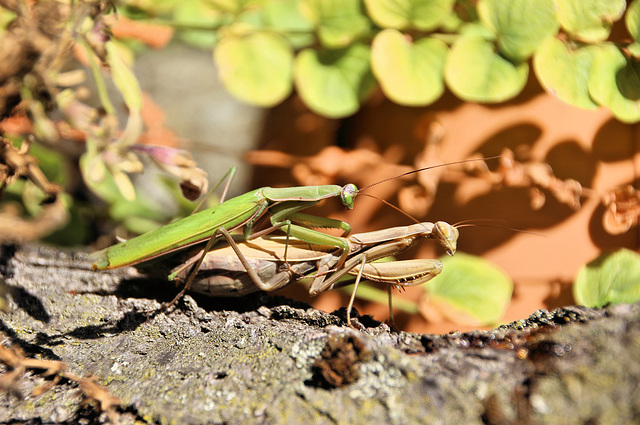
409	73
475	72
611	278
197	13
256	68
284	16
589	20
123	77
520	25
632	19
564	72
424	15
334	82
235	6
473	286
615	82
339	22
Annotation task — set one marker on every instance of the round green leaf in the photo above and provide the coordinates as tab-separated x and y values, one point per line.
564	72
611	278
409	73
589	20
284	16
339	22
424	15
256	68
333	82
197	13
477	29
632	19
474	286
475	72
615	82
520	25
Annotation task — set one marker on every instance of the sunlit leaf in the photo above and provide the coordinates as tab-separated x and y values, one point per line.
477	29
197	14
333	82
520	25
632	19
339	22
256	68
473	286
285	17
409	73
564	72
611	278
123	77
634	49
589	20
475	72
235	6
424	15
615	82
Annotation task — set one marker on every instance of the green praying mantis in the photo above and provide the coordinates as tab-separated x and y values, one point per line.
248	266
282	204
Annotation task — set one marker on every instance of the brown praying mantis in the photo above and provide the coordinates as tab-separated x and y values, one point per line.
259	264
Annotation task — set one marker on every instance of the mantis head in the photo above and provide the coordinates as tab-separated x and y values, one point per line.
348	195
447	235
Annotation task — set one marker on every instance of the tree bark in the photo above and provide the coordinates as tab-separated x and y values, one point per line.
265	359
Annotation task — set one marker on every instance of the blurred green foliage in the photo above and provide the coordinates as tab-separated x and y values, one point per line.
334	51
472	286
612	278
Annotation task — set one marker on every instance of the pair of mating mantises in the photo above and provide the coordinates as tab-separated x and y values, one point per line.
300	252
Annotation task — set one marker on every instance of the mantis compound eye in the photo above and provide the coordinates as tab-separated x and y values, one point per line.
348	195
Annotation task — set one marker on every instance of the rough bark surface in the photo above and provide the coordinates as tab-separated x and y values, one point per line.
263	359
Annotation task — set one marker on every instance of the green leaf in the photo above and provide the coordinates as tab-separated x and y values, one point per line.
339	22
256	68
477	29
473	286
424	15
334	82
520	25
123	77
409	73
475	72
632	19
197	13
285	17
589	20
615	83
611	278
634	49
235	6
564	72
